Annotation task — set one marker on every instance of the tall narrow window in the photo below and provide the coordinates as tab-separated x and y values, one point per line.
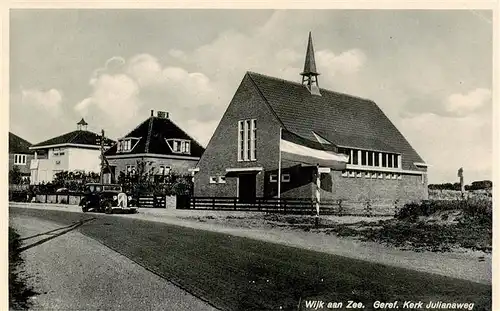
253	139
247	135
370	158
396	161
246	140
355	157
384	160
241	141
390	158
363	157
377	162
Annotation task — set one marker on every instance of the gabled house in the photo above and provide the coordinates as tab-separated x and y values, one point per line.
242	158
20	155
78	150
159	143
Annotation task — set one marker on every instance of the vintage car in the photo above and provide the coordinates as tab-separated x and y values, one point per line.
107	198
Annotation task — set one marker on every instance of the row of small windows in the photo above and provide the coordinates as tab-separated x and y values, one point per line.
379	175
162	170
58	151
217	179
247	135
284	178
272	178
372	158
20	159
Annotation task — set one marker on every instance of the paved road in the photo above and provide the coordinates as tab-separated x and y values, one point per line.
71	271
236	273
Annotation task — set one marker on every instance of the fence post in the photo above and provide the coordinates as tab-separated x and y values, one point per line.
235	199
67	201
194	202
213	203
45	198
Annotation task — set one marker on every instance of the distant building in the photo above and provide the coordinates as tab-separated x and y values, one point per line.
20	154
160	143
74	151
241	159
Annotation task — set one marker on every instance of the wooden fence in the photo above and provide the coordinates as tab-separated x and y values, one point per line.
299	206
153	201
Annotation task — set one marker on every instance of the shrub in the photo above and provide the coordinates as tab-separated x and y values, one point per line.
471	207
19	196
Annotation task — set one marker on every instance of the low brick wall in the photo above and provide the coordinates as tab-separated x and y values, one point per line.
58	199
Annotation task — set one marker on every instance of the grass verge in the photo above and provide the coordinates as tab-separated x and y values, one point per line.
19	291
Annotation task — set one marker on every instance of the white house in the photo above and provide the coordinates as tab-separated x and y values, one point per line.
74	151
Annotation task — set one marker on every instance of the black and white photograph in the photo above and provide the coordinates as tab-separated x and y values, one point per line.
250	158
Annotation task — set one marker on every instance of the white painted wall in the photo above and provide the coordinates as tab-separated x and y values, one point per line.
84	159
73	159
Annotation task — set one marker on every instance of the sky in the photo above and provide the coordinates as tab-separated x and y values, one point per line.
430	71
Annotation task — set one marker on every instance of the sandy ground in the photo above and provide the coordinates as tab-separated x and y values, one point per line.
467	265
75	272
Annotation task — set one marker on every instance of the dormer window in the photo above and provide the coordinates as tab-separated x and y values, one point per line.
127	144
180	146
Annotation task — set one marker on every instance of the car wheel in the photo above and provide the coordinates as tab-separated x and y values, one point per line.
85	209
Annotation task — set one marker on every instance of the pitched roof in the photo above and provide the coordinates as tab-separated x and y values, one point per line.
342	119
79	137
153	133
18	145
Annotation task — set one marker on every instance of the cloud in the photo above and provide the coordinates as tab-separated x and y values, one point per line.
119	97
47	100
115	96
463	104
144	69
37	115
197	85
346	63
463	142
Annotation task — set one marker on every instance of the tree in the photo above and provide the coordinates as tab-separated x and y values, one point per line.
15	176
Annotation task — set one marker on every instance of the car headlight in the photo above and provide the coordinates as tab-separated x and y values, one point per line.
129	198
115	197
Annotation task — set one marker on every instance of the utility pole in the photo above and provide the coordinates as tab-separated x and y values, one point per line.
102	156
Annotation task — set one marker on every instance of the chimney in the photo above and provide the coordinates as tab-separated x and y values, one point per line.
162	114
152	112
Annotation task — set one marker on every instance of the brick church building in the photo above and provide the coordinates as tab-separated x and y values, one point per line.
243	155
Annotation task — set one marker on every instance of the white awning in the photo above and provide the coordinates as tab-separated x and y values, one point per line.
244	169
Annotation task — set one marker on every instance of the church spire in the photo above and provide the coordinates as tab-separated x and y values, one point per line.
310	74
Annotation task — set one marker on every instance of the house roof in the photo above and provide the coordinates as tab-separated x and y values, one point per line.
342	119
80	137
153	133
18	145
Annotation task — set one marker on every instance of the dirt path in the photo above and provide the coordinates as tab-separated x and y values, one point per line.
75	272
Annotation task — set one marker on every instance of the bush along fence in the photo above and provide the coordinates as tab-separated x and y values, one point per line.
299	206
